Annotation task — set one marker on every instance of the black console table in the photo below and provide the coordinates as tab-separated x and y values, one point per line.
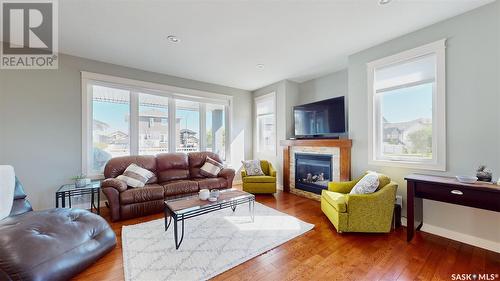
70	190
446	189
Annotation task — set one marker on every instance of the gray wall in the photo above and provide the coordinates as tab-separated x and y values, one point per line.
328	86
40	121
472	113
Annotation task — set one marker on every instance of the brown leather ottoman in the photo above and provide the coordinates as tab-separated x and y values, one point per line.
51	245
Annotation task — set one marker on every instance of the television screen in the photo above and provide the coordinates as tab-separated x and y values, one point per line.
323	118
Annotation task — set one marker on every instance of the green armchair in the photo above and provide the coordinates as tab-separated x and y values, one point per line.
260	184
360	212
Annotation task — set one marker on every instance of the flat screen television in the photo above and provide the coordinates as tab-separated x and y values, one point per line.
326	119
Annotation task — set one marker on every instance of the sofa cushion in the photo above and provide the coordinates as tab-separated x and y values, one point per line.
212	183
383	180
149	192
259	179
196	161
117	165
53	244
172	166
179	187
337	200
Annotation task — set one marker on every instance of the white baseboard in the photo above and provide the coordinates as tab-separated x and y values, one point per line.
457	236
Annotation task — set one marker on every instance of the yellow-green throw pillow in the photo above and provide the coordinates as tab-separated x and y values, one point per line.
383	180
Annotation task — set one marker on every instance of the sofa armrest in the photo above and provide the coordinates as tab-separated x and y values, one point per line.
376	208
113	196
228	174
272	171
119	185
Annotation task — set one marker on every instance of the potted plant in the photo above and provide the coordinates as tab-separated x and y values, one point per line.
81	181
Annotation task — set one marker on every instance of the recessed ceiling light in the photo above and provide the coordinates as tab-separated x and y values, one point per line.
384	2
173	39
260	66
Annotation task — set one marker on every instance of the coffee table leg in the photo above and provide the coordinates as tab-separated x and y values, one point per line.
168	219
178	242
233	207
251	209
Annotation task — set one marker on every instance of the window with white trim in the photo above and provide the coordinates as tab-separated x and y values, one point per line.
406	94
128	117
265	111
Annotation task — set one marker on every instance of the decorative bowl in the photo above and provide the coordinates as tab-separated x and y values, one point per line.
467	179
214	193
204	194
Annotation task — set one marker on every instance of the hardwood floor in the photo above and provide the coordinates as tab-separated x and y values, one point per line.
323	254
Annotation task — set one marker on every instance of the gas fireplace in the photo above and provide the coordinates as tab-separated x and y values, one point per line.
312	172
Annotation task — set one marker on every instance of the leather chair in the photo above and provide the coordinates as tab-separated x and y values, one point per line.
54	244
176	175
260	184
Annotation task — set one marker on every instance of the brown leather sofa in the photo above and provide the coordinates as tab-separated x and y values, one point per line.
176	175
53	244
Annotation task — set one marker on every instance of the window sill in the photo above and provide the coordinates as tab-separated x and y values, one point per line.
409	165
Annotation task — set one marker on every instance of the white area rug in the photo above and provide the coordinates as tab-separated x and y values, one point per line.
213	243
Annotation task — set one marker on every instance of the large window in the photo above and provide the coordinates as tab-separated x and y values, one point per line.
110	125
187	126
407	116
266	123
153	124
128	117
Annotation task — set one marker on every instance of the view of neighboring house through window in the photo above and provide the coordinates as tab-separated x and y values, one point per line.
215	129
188	125
110	126
128	117
153	124
266	122
408	110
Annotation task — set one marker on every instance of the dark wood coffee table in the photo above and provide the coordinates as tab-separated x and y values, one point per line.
189	207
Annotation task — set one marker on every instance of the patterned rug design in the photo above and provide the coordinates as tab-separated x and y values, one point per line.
213	243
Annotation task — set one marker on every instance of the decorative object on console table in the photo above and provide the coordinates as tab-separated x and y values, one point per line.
71	190
446	189
484	174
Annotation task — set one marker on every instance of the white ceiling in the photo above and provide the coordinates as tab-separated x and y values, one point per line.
222	41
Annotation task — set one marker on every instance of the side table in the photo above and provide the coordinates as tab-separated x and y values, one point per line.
68	191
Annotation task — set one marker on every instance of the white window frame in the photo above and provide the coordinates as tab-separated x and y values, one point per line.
438	161
135	87
272	96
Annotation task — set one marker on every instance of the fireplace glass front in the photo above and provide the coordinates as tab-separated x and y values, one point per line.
312	172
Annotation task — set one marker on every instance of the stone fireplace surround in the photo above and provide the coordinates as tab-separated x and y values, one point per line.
339	149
